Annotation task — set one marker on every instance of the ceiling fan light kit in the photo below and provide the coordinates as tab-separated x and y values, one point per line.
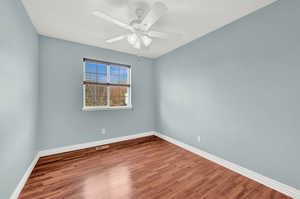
141	35
137	44
146	40
132	38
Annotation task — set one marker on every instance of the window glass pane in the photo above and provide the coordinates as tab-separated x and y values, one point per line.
95	72
101	73
90	67
95	95
119	74
90	71
119	96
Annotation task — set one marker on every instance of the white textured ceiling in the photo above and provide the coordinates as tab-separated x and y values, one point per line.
72	20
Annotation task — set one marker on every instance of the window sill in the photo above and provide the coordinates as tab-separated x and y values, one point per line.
97	108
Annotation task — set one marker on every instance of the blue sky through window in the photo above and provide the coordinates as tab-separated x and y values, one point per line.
119	74
98	73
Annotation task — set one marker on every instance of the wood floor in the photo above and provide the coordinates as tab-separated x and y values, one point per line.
145	168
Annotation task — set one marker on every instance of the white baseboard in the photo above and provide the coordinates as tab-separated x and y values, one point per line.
290	191
283	188
23	180
92	144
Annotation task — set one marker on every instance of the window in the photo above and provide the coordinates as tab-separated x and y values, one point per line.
106	85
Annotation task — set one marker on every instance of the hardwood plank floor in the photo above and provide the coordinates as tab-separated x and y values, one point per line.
146	168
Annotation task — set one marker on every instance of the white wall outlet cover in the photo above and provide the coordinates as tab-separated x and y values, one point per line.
199	138
103	131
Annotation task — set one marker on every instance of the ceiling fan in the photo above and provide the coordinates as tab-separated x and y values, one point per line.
140	33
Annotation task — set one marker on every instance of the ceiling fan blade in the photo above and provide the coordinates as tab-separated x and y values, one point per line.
116	39
157	11
157	34
113	20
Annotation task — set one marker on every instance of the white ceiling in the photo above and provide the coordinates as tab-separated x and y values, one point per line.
72	20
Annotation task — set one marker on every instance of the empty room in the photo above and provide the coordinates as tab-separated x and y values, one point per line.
149	99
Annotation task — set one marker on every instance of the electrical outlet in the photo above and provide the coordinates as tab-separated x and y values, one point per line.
103	131
199	138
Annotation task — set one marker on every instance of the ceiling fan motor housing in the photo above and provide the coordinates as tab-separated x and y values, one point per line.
136	23
139	8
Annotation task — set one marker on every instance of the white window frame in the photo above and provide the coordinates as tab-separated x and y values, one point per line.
107	107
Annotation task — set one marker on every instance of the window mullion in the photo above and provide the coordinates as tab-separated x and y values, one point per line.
95	95
129	89
97	74
96	87
107	88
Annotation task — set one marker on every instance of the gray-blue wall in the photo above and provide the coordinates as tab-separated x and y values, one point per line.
62	122
239	89
18	96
